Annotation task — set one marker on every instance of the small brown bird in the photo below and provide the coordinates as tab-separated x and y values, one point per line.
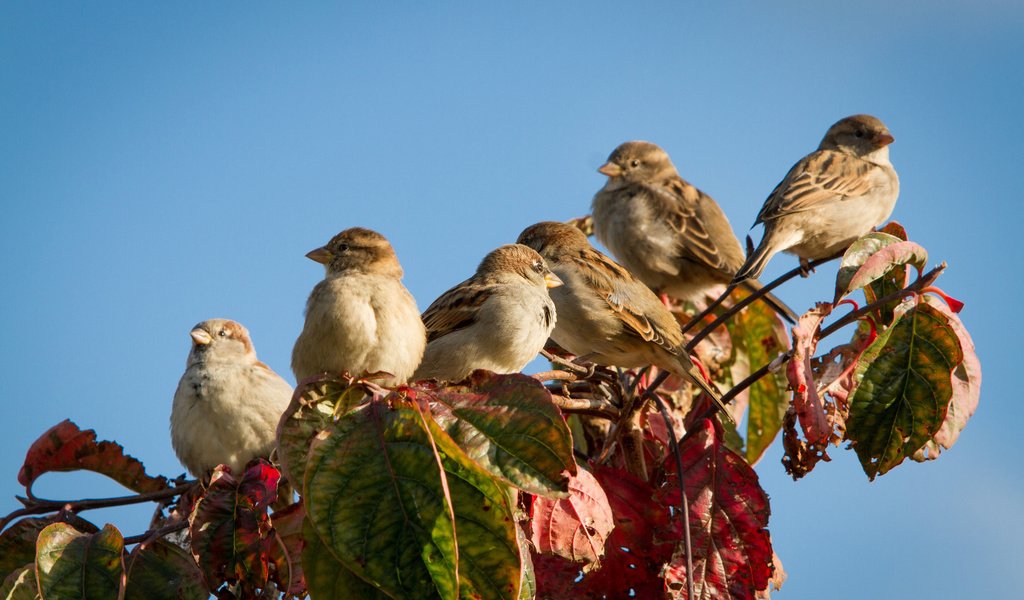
228	403
498	319
831	197
605	314
672	236
360	319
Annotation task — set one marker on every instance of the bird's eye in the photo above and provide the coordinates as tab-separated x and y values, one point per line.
223	333
538	266
634	163
859	133
342	247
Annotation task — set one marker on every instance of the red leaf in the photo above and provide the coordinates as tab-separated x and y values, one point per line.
633	557
895	229
576	527
806	401
65	447
230	529
732	552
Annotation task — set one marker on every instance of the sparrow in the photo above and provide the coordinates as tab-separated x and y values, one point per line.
228	403
360	319
605	314
498	319
671	235
831	197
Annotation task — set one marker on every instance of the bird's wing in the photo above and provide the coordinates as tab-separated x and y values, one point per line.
820	177
456	309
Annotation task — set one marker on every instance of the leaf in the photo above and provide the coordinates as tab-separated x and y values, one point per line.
732	553
20	584
760	335
72	564
158	570
855	257
229	526
388	489
806	401
510	426
65	447
904	388
966	382
327	577
893	228
313	407
576	527
887	259
633	557
286	550
18	542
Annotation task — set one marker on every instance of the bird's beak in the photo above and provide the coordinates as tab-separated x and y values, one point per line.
200	337
884	139
610	169
321	255
551	280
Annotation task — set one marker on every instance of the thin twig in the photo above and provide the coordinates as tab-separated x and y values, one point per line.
157	533
922	282
735	308
586	406
40	505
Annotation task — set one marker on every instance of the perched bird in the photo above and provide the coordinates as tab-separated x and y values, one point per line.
360	319
498	319
831	197
605	314
228	403
668	233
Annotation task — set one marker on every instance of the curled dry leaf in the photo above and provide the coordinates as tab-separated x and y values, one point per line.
65	447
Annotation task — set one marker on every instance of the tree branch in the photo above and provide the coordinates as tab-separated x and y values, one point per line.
38	506
920	284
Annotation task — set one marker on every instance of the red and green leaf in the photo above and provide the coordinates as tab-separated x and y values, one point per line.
72	564
230	528
904	388
510	426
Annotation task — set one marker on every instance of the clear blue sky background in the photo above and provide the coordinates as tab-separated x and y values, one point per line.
160	165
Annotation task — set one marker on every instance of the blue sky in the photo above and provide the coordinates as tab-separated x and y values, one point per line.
160	165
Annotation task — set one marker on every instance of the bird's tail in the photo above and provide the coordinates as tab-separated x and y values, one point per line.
753	285
756	262
691	371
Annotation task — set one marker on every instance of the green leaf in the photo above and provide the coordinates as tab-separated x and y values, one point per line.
758	333
158	570
312	409
904	388
329	578
379	500
509	425
72	564
20	584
